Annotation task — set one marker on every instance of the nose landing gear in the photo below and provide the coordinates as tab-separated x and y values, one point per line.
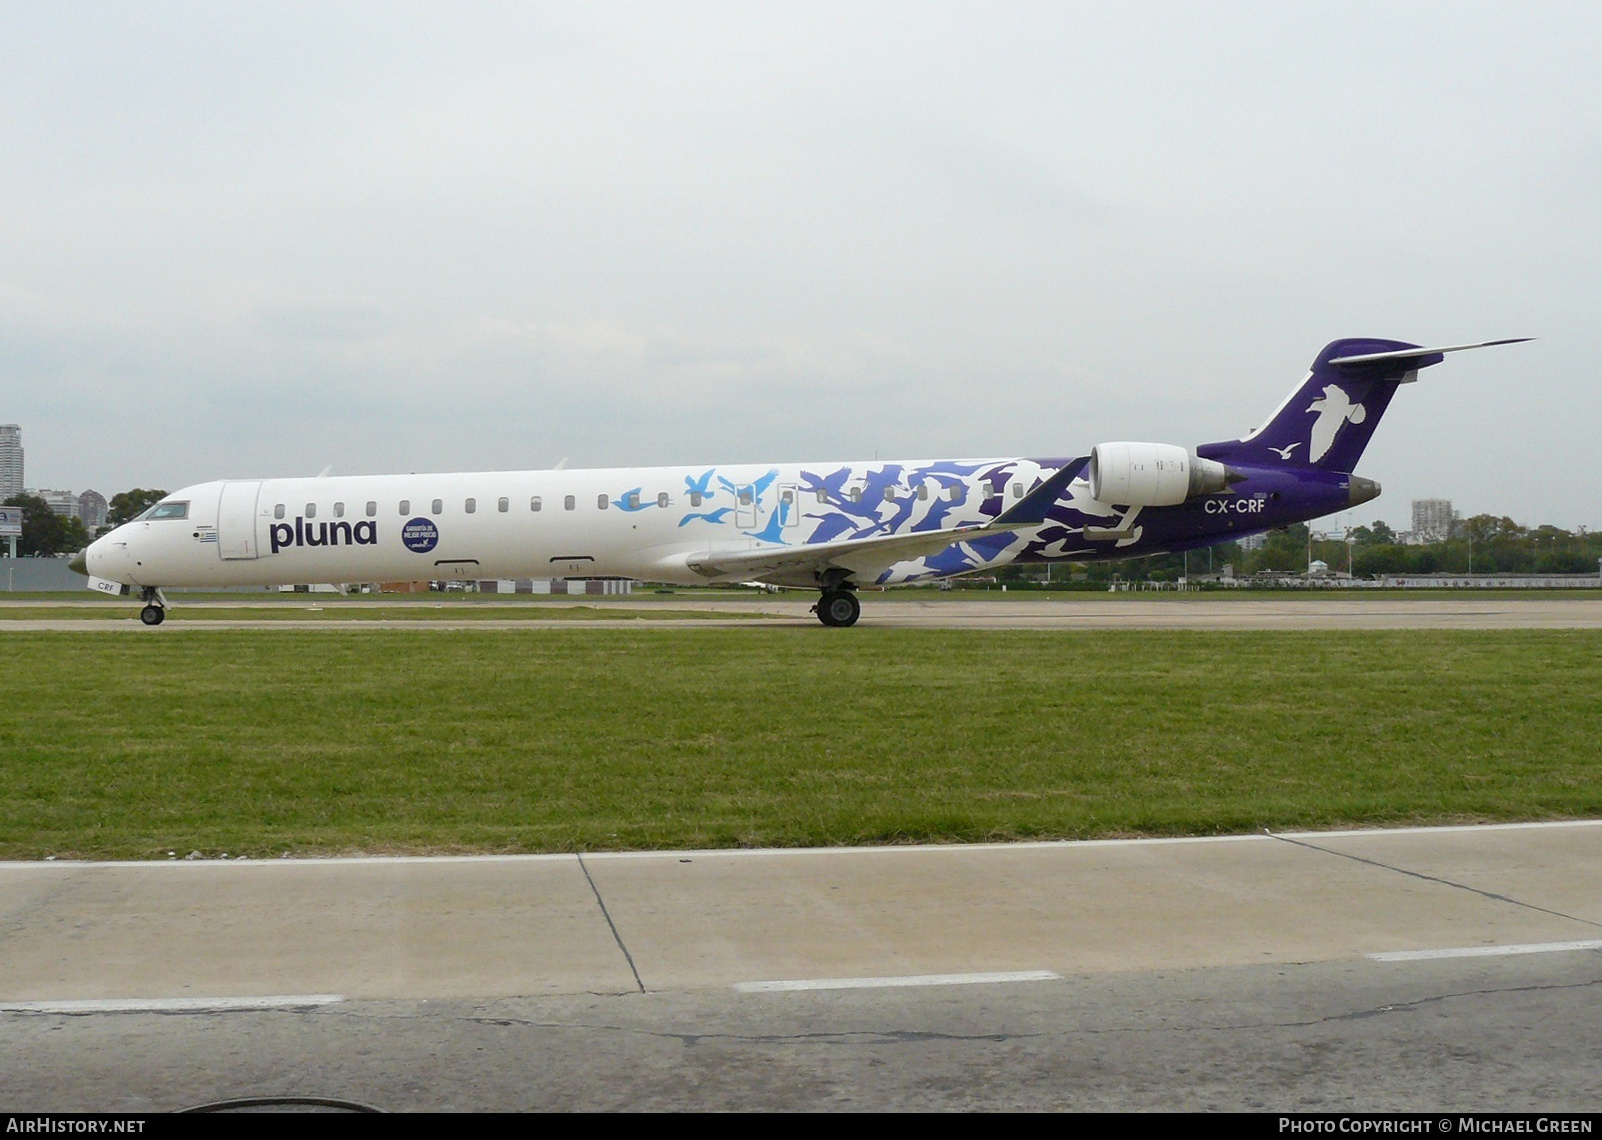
155	611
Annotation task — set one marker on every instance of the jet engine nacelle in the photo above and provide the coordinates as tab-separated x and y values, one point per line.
1151	474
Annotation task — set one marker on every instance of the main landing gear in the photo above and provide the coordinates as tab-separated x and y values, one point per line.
838	607
155	611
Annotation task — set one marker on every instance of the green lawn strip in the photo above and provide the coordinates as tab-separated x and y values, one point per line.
327	741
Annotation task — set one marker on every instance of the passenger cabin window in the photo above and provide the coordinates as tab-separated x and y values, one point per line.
534	503
856	494
634	500
278	511
372	508
1017	490
169	511
569	503
600	502
339	510
439	506
470	506
503	504
405	506
889	494
311	510
923	492
695	498
954	494
662	499
745	496
823	495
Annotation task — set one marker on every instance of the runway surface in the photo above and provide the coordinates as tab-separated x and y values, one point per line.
893	611
1448	969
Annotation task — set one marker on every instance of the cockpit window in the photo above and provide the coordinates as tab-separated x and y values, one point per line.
167	511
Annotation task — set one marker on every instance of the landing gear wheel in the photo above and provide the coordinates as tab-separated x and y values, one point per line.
838	608
153	615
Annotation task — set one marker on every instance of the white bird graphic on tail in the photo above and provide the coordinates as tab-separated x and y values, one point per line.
1334	409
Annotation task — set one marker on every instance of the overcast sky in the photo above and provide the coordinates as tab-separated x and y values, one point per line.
259	239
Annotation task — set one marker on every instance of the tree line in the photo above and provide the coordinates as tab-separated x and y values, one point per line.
46	534
1482	544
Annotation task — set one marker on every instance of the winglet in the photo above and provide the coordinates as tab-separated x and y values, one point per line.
1031	509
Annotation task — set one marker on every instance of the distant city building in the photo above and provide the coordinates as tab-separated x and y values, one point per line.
63	503
1252	542
10	460
1432	520
92	509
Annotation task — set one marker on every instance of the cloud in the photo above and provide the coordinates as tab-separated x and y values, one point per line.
263	238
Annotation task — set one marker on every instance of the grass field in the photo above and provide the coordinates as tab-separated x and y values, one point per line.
261	742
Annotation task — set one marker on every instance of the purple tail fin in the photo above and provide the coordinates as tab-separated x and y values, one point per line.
1327	421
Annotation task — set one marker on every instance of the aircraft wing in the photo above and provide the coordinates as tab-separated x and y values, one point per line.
872	554
865	557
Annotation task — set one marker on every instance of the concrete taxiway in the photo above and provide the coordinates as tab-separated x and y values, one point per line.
1436	968
609	923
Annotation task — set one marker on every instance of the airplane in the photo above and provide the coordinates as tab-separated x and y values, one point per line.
827	526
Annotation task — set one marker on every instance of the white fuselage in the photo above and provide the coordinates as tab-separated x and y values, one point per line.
644	523
830	526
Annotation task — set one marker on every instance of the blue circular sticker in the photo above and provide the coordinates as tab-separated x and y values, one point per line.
420	535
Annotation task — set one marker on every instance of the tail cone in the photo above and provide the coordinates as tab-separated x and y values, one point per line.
1362	490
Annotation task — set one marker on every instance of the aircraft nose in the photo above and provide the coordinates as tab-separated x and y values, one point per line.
80	562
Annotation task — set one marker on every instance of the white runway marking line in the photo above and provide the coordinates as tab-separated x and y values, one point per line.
1485	951
173	1005
891	982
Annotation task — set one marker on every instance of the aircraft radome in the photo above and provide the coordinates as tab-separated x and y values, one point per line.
824	526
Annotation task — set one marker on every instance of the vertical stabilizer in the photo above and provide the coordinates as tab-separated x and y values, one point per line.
1328	420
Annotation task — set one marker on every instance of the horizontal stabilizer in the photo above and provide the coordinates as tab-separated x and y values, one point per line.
1411	353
